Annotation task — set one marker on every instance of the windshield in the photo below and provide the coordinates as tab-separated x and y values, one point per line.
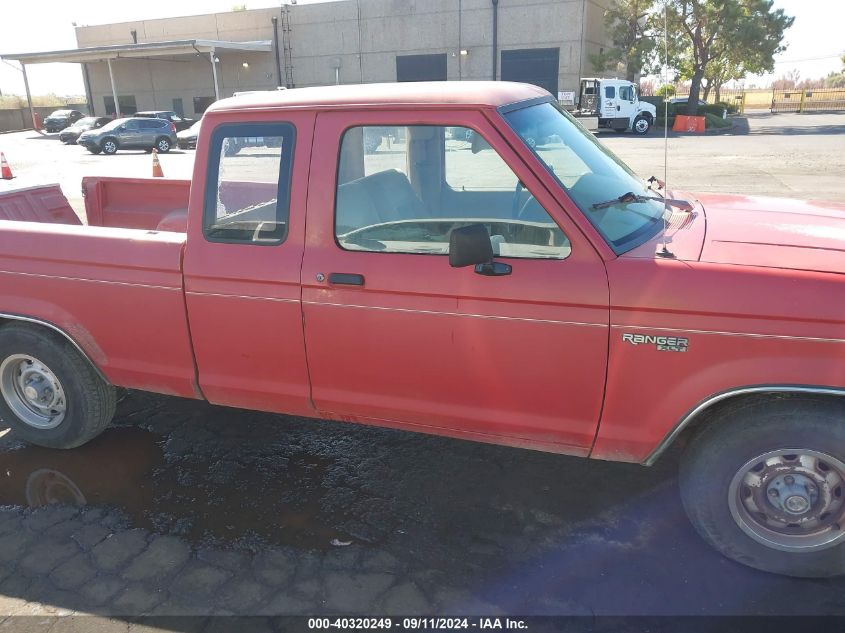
89	120
61	113
591	174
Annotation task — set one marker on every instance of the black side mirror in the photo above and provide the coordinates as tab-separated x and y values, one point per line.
471	246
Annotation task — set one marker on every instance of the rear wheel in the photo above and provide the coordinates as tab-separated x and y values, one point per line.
765	485
51	395
109	146
162	145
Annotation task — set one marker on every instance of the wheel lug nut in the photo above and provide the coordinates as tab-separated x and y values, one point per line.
789	480
773	492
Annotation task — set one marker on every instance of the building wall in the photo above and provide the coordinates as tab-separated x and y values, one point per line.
352	41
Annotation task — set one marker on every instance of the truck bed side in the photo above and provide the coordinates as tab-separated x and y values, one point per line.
137	203
117	293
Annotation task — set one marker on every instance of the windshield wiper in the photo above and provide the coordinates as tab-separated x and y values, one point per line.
631	197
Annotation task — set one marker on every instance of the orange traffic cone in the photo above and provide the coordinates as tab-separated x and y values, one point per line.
5	170
157	172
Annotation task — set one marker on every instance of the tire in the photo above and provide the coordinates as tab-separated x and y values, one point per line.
641	125
82	403
109	146
736	472
163	145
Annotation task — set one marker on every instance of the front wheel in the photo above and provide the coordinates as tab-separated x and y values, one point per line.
51	395
765	485
641	125
109	146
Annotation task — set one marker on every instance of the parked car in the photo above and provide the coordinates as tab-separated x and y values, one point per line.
187	139
180	122
60	119
486	294
70	134
679	104
132	133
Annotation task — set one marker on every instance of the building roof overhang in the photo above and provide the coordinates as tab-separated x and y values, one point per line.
141	50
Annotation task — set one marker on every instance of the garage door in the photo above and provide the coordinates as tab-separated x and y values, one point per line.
421	67
538	66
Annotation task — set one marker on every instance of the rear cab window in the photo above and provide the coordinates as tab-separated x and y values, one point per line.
247	197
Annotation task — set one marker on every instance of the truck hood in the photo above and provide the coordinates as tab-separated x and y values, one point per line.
775	233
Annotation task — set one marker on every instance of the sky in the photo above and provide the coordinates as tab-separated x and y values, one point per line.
815	41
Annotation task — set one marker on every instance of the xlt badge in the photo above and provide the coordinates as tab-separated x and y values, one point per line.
663	343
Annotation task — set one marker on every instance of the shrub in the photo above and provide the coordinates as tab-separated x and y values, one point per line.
715	121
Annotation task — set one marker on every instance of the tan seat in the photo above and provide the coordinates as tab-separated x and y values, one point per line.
385	196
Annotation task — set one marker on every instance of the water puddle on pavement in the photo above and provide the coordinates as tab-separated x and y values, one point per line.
184	495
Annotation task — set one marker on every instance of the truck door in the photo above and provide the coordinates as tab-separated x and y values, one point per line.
609	101
396	336
242	262
627	106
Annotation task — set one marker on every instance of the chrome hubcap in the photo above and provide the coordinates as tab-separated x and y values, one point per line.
109	147
642	126
32	391
790	500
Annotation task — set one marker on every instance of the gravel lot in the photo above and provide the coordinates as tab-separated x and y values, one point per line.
185	508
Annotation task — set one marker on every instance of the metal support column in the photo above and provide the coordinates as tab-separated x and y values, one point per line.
89	96
495	39
113	91
214	72
28	95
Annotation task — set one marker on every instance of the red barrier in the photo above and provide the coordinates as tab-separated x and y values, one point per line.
684	123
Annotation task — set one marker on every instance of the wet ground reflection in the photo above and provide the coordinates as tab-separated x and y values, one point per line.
188	496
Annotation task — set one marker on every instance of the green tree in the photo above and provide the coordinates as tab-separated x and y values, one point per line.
719	72
629	23
725	38
665	91
836	80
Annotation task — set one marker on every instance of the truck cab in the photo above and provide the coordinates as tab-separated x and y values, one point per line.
615	104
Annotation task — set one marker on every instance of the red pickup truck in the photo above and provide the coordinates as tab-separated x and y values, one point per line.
487	271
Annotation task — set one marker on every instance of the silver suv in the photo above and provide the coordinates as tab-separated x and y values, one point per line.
134	133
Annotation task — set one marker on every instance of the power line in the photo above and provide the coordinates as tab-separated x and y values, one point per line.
807	59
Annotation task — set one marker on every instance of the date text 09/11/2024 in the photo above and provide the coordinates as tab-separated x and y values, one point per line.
418	623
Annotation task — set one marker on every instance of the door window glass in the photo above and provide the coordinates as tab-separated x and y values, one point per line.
626	93
421	182
248	187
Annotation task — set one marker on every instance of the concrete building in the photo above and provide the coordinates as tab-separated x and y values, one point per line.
185	63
